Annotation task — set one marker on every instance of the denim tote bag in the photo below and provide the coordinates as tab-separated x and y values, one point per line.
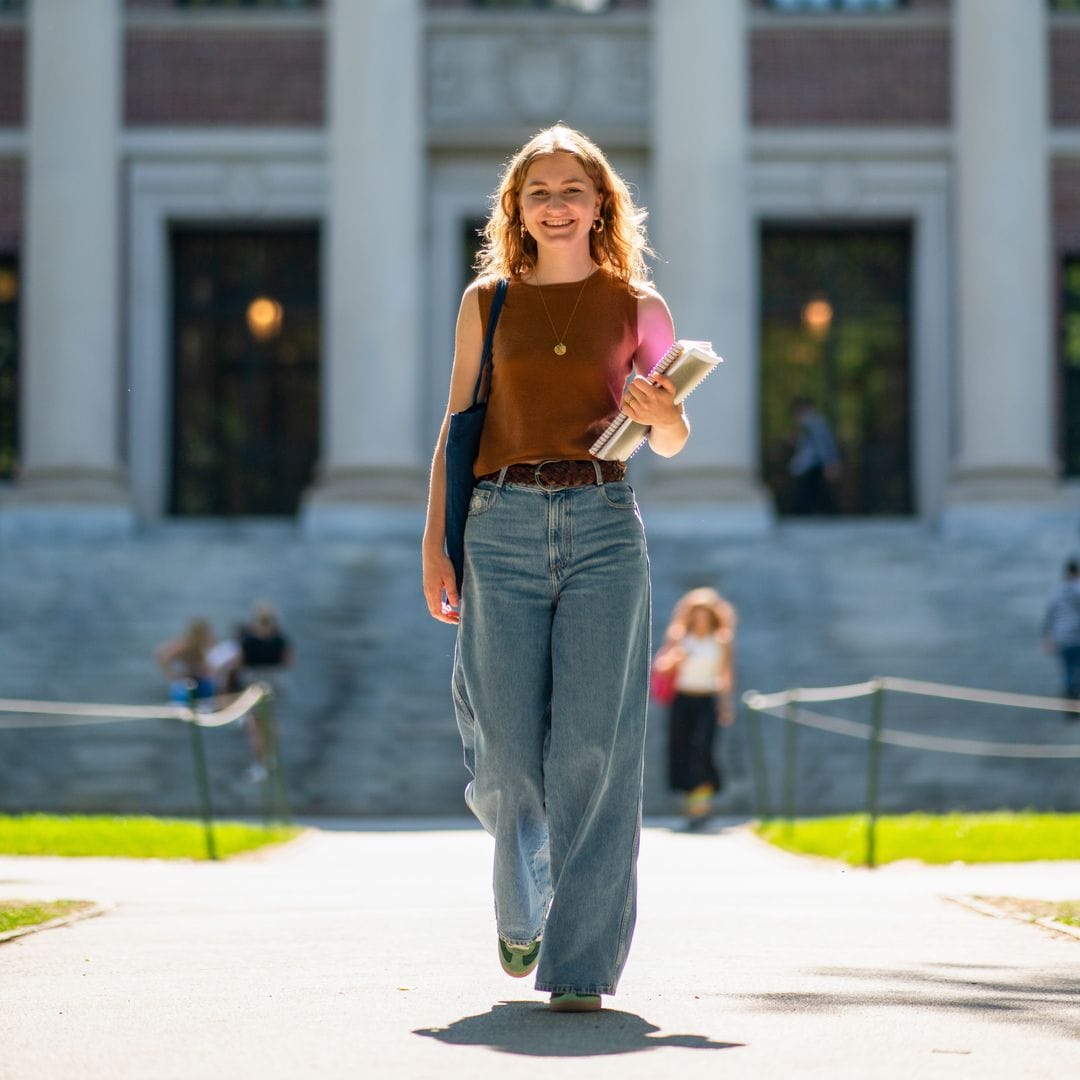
462	446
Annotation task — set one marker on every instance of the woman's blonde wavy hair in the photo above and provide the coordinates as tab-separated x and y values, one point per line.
620	247
722	616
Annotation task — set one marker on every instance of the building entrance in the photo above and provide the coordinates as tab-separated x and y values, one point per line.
1070	366
9	366
245	371
835	328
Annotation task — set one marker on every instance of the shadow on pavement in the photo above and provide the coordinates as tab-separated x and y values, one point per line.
1017	995
528	1027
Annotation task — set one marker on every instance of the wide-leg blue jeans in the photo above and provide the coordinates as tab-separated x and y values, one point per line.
550	689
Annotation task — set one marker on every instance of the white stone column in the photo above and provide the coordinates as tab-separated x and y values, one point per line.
374	311
702	230
70	470
1004	457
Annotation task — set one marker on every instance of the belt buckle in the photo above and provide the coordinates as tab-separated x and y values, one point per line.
538	478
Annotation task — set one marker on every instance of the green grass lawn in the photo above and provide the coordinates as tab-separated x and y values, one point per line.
17	913
1003	836
130	837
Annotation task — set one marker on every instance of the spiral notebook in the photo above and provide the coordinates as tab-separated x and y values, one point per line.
686	363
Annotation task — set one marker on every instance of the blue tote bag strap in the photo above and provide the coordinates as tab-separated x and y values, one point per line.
463	444
489	336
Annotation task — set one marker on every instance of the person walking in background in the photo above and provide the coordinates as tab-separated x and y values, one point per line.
699	653
551	666
265	651
265	655
815	463
1061	631
185	662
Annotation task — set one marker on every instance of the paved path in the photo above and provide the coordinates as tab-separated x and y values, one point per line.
369	954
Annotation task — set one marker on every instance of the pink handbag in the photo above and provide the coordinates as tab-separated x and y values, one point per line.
662	685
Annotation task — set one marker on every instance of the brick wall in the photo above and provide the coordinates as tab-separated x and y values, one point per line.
1065	74
171	5
616	5
11	182
11	76
196	76
801	76
911	5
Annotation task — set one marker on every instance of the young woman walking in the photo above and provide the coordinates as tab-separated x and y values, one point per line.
551	666
699	651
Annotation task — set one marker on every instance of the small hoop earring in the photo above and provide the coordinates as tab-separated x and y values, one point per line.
598	225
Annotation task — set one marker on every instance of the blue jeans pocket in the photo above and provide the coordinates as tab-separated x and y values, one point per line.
484	497
619	494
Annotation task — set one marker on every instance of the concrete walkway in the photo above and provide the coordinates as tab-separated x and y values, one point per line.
370	954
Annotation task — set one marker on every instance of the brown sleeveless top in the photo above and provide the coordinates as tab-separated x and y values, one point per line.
543	407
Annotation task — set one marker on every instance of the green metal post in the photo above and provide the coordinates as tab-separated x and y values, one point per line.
265	793
757	764
198	754
873	772
789	761
266	717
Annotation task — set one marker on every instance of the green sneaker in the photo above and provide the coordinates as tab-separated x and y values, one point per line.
574	1002
518	960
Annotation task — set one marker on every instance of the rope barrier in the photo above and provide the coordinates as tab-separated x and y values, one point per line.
75	713
981	697
765	702
836	725
214	712
788	707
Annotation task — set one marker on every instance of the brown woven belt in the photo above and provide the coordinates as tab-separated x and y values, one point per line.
559	474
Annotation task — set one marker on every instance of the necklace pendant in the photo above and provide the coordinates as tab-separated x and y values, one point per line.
560	349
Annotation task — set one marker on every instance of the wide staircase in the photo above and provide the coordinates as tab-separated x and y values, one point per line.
367	723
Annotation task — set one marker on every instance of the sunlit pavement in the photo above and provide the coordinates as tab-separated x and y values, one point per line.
368	950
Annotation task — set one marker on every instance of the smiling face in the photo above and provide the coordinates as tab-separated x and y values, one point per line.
558	201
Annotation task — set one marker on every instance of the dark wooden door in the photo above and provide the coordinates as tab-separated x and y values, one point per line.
835	329
246	370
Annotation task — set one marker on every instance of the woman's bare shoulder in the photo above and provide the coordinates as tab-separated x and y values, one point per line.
653	318
475	292
649	299
469	308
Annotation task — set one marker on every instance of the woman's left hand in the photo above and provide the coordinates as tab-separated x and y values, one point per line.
652	402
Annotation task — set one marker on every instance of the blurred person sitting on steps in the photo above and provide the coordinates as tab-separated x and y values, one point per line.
185	662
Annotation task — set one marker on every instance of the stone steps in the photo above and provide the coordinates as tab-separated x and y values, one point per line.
368	725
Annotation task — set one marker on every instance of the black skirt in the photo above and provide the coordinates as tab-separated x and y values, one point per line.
692	742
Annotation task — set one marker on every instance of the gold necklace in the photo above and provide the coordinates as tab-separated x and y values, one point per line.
560	347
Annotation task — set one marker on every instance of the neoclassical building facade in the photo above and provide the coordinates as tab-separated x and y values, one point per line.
234	239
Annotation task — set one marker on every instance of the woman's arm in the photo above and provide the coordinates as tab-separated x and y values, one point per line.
727	686
438	571
669	656
653	402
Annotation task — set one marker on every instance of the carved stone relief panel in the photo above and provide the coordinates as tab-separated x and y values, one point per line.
537	74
